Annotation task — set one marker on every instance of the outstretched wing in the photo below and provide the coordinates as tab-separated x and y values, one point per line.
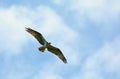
37	35
57	52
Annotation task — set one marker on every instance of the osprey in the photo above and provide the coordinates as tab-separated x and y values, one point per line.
46	45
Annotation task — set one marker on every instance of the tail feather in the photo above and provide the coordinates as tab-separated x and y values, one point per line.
42	49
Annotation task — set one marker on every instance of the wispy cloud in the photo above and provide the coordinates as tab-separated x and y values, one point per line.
99	16
103	13
58	2
12	31
105	61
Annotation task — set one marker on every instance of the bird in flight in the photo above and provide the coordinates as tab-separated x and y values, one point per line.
46	45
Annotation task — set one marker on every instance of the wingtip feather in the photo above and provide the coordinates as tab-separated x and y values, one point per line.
65	61
27	28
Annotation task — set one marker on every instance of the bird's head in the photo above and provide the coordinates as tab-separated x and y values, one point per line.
49	43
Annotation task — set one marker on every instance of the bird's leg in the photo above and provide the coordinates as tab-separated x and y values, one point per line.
42	49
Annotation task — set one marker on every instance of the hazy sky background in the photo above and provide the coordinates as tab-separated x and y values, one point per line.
87	32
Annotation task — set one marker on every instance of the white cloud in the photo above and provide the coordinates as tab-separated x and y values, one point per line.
102	15
47	75
58	2
15	70
99	7
105	61
103	12
12	31
111	55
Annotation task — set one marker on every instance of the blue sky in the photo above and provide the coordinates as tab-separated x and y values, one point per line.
87	32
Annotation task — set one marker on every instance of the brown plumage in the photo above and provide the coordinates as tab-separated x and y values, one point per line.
37	35
57	52
46	44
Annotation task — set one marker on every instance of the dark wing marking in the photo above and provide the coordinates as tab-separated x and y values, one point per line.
57	52
37	35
